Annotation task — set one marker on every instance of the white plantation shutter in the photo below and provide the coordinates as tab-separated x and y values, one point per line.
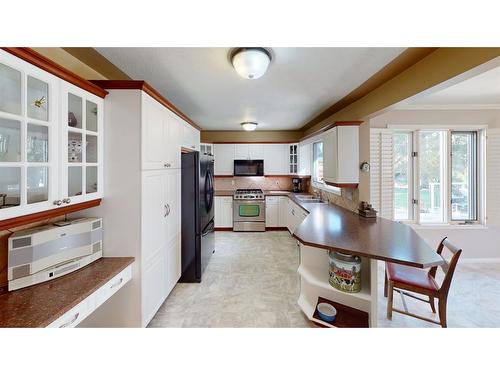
493	177
381	172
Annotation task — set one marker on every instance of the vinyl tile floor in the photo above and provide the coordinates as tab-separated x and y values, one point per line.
252	281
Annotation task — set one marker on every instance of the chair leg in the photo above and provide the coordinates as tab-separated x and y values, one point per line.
433	306
442	312
385	285
390	291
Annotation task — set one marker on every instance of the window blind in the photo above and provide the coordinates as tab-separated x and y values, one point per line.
493	177
381	172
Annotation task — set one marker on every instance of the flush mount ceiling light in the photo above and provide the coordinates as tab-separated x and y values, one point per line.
251	62
249	126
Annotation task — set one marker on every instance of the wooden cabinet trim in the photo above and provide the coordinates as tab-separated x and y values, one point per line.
48	214
31	56
148	89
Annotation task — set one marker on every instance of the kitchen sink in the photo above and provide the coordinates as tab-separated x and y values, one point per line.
308	199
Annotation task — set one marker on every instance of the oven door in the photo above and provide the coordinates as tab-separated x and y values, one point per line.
249	210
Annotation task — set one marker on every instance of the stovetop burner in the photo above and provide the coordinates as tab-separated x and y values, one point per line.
249	194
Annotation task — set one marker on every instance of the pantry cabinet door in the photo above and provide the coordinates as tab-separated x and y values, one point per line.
173	139
81	145
29	138
153	133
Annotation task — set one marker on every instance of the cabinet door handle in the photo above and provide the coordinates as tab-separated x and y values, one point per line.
67	324
117	283
58	202
66	200
168	209
165	210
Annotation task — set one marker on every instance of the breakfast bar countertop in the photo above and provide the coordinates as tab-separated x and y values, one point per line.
41	304
332	227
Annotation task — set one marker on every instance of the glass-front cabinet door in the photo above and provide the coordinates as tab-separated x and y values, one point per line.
28	138
82	117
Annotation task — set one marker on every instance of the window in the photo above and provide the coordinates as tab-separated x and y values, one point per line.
438	183
431	159
318	162
464	176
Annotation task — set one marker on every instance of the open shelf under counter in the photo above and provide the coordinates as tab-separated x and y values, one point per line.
314	284
318	278
347	317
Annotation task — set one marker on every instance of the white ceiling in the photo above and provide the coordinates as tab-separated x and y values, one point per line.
300	82
480	90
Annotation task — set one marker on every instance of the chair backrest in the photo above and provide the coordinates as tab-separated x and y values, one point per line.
448	267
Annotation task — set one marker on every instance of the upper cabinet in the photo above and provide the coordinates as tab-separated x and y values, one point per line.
82	133
190	137
275	159
305	155
293	158
279	158
341	156
50	140
224	155
248	151
161	136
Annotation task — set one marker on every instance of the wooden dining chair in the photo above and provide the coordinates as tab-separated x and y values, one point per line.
404	279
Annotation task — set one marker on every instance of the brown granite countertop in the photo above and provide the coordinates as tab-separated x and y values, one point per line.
332	227
40	305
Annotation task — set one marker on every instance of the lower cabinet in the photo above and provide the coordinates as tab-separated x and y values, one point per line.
223	212
273	212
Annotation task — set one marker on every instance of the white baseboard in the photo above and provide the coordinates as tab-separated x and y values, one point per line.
479	260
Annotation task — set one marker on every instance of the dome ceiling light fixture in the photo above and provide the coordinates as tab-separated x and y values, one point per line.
249	126
251	62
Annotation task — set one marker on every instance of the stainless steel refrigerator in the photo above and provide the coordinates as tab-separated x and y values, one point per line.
198	242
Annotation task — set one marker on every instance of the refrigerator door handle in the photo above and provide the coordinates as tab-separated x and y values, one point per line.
209	229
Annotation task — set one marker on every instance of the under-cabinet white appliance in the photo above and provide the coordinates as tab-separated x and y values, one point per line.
44	253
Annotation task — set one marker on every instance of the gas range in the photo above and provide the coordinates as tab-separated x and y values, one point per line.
249	194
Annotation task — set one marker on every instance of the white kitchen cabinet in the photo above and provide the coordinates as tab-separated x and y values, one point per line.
293	158
341	155
190	136
243	151
207	148
284	211
223	213
50	153
224	155
142	213
82	158
161	135
272	212
275	159
305	156
296	215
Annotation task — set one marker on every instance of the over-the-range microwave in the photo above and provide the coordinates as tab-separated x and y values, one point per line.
248	168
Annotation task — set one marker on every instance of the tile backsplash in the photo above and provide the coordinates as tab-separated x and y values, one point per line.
264	183
349	198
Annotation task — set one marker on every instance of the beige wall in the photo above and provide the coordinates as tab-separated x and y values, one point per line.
70	62
255	136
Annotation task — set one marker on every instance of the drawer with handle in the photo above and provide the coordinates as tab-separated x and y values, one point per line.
112	286
272	200
74	316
